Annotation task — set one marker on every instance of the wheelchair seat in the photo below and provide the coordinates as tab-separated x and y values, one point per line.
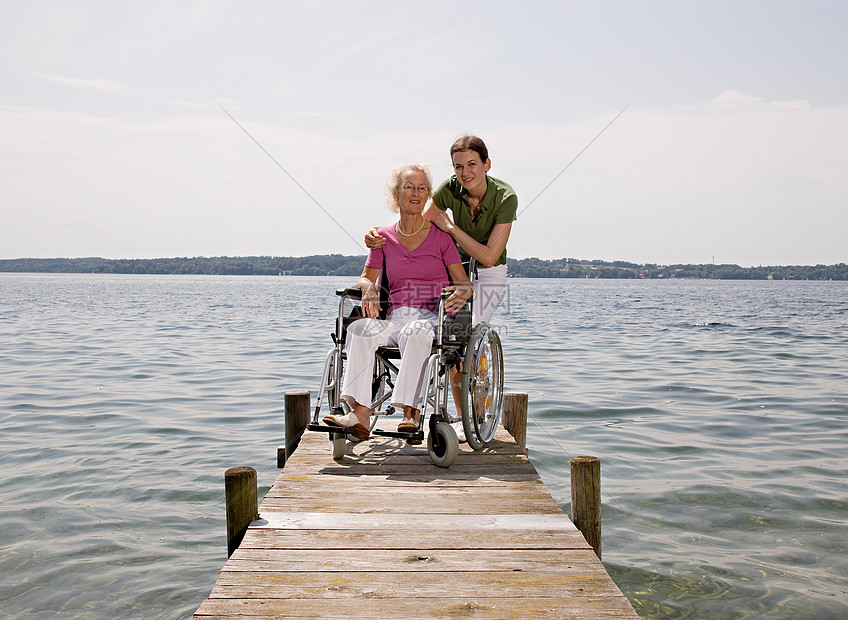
456	329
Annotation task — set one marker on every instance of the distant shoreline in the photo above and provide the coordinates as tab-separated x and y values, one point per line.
339	265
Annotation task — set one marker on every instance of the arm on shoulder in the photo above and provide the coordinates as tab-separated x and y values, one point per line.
373	238
487	255
431	211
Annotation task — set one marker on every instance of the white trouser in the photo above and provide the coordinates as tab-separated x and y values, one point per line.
411	330
489	290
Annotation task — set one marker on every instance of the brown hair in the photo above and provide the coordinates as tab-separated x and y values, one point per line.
470	143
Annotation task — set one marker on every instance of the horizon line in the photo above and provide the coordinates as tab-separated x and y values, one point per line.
567	259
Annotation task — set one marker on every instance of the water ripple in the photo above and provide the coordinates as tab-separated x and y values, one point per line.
719	411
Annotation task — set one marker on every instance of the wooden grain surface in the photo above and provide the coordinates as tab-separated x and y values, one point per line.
383	533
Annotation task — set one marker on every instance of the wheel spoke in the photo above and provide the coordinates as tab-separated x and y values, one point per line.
482	386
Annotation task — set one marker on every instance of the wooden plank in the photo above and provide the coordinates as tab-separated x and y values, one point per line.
452	606
417	536
406	469
392	585
455	505
448	478
419	457
475	525
408	560
385	447
413	481
333	485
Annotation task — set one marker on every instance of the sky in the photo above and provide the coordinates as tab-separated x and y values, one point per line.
688	131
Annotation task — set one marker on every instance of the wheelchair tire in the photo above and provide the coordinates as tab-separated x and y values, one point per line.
482	386
339	442
443	445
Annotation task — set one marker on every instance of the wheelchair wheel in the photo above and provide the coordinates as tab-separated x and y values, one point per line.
443	445
482	386
339	441
379	387
333	379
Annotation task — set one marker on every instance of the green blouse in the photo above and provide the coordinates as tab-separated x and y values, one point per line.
500	205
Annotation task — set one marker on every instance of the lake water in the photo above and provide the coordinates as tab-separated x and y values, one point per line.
719	411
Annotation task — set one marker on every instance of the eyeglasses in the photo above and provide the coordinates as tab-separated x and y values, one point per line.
422	189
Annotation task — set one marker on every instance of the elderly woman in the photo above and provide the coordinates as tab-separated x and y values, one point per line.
420	261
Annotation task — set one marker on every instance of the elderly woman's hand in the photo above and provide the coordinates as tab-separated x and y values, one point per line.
370	298
459	295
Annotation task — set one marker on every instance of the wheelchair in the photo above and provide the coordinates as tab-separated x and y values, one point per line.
476	353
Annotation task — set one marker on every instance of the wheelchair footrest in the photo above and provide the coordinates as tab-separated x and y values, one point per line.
419	434
325	428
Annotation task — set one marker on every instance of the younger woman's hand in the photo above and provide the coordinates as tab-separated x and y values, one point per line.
442	221
373	239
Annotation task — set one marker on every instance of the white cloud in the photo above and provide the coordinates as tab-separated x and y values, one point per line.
108	86
733	99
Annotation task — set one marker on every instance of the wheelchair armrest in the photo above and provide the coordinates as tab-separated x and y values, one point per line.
456	329
352	293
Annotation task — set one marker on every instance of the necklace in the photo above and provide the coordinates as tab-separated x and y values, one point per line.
400	232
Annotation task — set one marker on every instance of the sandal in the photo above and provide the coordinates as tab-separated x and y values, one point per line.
407	425
349	422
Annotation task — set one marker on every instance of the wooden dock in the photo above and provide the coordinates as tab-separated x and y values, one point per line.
383	533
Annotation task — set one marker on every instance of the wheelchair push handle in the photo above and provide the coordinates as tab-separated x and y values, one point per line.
352	293
470	267
456	328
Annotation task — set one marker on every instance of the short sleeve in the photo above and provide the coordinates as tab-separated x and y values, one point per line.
375	259
450	255
441	195
508	209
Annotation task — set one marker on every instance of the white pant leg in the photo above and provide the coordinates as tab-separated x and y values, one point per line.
363	338
489	290
415	341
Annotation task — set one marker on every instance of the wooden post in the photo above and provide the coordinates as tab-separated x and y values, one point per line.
296	419
586	499
515	416
242	503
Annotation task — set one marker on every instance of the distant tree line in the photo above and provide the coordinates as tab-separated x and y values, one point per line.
320	265
574	268
339	265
